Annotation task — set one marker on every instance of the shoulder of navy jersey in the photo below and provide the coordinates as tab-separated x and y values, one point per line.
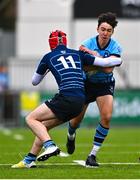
43	67
86	58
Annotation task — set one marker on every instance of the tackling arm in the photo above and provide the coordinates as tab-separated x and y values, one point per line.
102	62
84	49
107	62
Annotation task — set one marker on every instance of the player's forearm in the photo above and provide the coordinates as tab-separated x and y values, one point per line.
107	62
37	78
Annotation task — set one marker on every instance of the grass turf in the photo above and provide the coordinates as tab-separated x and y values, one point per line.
121	146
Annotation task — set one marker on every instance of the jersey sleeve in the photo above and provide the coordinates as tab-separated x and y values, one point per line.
40	72
42	67
116	50
107	62
87	59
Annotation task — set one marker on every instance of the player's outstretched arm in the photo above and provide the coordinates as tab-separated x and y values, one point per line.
107	62
37	78
39	74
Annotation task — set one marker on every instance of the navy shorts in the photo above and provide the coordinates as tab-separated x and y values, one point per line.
65	107
94	90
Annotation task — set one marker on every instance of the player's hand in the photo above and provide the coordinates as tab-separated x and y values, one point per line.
95	53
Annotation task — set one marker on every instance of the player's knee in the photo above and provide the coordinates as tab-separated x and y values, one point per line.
75	123
106	118
28	119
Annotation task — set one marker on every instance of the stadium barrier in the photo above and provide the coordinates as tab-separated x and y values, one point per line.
126	108
14	106
9	109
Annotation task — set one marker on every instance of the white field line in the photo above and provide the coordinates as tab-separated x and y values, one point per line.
18	137
8	132
63	154
79	162
82	163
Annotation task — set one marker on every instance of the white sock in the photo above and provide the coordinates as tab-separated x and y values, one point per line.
94	150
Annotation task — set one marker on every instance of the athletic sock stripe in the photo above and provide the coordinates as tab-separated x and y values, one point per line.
97	144
98	140
100	133
102	130
103	126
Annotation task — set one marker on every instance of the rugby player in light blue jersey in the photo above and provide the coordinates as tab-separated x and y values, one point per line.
66	65
99	85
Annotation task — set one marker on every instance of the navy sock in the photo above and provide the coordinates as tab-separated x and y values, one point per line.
72	130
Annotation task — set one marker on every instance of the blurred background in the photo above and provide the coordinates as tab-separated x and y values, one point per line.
24	29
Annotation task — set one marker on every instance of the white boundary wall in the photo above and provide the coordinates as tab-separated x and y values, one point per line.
37	18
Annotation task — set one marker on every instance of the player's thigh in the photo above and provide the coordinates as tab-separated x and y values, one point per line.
41	113
77	120
105	105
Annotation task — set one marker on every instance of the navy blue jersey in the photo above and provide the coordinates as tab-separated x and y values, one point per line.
66	66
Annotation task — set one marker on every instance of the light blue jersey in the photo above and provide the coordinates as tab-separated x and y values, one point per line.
111	49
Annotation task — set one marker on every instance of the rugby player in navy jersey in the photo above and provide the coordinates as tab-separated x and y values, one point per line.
66	66
99	85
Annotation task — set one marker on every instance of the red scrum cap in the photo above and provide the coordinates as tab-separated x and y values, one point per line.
57	37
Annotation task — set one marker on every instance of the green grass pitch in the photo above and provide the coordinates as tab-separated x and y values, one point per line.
118	156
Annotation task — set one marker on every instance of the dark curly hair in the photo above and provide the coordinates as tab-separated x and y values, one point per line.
109	18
